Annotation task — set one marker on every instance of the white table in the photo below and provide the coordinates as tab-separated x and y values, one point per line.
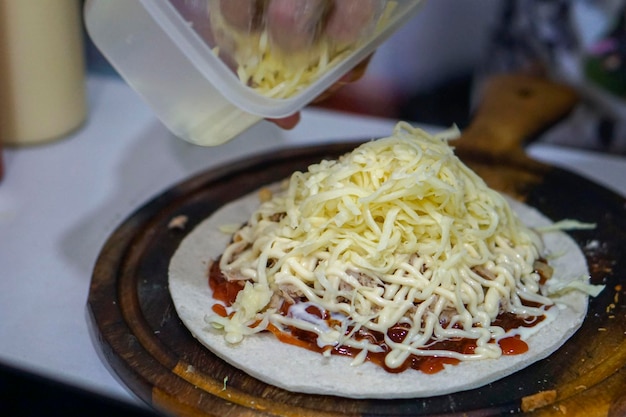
60	201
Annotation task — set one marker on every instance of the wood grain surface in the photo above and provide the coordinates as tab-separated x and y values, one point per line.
152	352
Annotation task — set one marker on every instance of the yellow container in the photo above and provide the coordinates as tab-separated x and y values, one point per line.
42	71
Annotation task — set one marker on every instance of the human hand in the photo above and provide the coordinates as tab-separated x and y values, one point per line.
296	26
293	25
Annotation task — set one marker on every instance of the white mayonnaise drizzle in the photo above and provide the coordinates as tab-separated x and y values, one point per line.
397	231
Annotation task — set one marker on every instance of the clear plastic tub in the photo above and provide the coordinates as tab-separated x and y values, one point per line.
209	80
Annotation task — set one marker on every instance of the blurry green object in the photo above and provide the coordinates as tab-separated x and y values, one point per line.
605	64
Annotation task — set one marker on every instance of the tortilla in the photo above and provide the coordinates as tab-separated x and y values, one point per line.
299	370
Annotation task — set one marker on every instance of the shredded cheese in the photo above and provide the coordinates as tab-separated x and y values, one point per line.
399	231
567	224
273	73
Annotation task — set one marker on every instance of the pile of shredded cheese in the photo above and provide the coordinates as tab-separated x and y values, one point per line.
399	231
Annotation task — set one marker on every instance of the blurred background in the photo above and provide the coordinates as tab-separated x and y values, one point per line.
427	72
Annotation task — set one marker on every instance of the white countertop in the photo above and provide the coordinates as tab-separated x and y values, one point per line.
60	201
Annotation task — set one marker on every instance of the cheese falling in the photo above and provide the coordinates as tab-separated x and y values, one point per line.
399	231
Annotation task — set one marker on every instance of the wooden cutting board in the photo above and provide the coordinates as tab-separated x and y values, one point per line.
152	352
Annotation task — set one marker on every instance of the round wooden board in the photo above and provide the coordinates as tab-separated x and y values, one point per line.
156	357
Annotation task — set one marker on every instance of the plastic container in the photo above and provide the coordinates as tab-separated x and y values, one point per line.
196	70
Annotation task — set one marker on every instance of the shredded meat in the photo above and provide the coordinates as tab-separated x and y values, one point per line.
265	194
233	275
276	217
484	272
290	293
276	302
344	286
544	270
364	280
446	317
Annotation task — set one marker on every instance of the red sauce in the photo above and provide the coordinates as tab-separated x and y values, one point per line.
513	345
223	290
220	310
226	292
433	364
294	339
510	321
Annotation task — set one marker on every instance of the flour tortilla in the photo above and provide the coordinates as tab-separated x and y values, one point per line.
299	370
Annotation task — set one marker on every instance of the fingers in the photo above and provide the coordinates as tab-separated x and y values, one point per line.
246	15
350	20
353	75
294	25
288	122
297	24
358	71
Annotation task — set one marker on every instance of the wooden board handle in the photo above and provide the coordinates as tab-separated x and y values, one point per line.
513	109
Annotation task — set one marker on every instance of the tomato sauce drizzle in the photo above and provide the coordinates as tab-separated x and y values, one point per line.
226	292
223	290
513	345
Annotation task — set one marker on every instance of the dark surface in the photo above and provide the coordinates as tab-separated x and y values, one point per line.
158	359
25	394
